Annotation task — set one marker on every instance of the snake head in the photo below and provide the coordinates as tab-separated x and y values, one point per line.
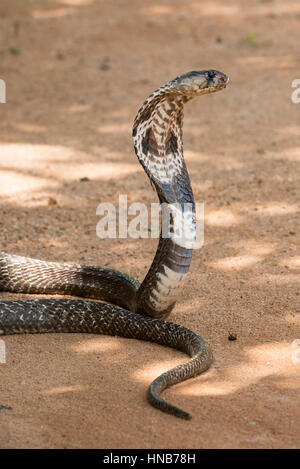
196	83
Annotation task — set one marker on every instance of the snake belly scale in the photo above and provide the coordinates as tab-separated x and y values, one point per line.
135	310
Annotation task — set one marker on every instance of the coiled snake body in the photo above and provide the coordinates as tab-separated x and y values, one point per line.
136	311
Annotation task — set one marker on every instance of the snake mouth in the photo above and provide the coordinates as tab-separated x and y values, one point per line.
215	81
213	88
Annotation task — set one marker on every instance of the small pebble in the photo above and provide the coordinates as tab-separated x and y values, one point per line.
232	336
105	64
52	201
5	407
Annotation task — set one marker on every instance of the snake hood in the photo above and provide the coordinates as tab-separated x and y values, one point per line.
157	130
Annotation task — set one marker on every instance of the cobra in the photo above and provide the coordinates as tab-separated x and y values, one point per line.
132	310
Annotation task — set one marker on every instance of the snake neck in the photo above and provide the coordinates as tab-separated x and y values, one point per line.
157	136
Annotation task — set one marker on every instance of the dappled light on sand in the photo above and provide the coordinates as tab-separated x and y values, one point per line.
250	253
236	262
292	262
275	209
291	154
48	160
99	344
63	390
53	13
261	361
146	374
76	3
220	8
27	127
223	217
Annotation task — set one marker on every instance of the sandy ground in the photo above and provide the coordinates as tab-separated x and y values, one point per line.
76	73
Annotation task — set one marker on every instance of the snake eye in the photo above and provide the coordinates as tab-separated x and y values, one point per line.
211	74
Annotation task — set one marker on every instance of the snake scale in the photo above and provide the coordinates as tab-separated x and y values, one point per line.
135	310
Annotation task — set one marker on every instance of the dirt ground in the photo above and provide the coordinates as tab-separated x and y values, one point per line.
76	73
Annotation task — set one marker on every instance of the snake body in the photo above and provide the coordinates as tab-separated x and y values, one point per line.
136	310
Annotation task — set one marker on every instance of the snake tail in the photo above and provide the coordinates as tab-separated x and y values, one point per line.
48	315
